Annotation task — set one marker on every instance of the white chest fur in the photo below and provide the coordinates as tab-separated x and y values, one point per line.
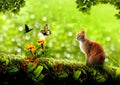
81	47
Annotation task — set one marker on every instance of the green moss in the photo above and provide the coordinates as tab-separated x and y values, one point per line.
45	70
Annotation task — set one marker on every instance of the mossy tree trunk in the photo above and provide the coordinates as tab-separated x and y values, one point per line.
43	71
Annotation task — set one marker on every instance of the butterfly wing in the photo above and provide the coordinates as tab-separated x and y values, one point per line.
49	31
27	29
46	31
46	28
43	32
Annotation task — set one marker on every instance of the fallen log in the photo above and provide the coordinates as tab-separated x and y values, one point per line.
46	71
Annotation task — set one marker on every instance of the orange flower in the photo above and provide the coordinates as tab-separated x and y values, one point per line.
30	47
33	51
42	41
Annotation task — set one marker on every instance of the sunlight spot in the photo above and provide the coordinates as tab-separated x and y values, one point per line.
62	45
18	44
8	21
106	59
18	50
112	47
53	23
1	39
68	48
6	28
69	33
57	26
44	18
107	51
20	28
41	36
50	44
27	37
37	25
70	25
108	38
58	55
13	39
32	16
5	35
9	50
118	40
67	55
4	17
46	5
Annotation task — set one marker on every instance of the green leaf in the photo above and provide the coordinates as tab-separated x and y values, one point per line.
38	70
118	71
83	71
30	67
94	72
101	79
50	63
63	75
2	60
40	77
13	70
76	74
7	62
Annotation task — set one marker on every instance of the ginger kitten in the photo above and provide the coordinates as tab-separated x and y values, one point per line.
93	51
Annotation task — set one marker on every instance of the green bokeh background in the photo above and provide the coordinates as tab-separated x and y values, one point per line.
64	20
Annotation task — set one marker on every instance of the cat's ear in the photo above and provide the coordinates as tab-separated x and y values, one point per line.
83	31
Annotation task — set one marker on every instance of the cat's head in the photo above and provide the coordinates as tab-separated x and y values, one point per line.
81	35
